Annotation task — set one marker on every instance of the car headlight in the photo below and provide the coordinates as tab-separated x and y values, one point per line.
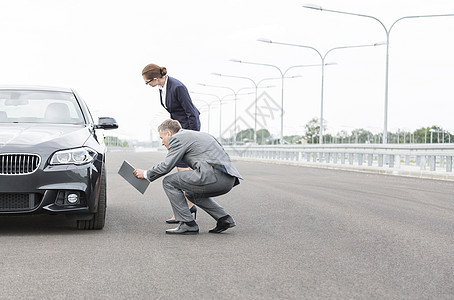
78	156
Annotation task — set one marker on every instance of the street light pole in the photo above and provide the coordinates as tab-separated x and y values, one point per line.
387	31
256	85
235	93
220	111
322	57
208	104
438	131
282	86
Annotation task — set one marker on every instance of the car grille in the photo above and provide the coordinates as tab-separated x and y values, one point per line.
17	202
18	164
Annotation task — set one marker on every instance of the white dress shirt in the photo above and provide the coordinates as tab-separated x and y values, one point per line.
163	92
163	95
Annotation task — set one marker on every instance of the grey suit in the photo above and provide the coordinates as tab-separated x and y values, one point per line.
212	173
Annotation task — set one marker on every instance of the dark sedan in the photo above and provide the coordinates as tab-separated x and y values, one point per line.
52	155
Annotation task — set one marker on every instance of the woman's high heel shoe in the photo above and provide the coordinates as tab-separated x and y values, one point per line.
193	210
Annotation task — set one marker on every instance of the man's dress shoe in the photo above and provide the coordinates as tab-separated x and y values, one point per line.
184	229
223	224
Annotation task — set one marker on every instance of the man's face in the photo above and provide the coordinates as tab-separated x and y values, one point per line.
165	136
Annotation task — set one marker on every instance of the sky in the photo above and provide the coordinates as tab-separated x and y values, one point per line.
100	47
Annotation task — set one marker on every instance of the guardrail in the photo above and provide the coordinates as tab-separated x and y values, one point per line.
423	156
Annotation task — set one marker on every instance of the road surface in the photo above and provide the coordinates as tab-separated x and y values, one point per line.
302	233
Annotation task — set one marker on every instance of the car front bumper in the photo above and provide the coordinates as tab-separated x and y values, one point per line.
47	190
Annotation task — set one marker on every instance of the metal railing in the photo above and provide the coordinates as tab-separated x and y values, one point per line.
424	157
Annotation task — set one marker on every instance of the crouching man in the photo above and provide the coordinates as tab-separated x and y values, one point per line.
212	174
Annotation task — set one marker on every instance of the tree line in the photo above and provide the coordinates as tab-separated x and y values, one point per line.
311	135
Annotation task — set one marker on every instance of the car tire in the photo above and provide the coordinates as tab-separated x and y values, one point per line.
99	218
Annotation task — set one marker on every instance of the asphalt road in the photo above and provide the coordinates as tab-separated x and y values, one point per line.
302	233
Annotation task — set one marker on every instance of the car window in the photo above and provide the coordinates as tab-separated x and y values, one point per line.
39	107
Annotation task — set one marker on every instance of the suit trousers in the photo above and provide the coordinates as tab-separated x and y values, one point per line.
174	185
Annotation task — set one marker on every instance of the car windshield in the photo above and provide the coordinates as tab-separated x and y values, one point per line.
19	106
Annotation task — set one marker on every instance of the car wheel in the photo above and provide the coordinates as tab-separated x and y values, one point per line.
98	220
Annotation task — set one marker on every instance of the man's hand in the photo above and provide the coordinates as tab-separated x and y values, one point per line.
139	173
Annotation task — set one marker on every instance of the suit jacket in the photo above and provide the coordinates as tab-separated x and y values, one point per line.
180	106
200	151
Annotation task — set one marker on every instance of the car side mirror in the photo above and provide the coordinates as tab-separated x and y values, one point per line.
106	123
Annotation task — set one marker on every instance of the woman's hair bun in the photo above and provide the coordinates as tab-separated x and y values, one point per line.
163	71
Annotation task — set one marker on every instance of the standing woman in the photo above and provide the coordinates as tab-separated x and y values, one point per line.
176	100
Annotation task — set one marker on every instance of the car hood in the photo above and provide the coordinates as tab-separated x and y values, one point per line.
35	136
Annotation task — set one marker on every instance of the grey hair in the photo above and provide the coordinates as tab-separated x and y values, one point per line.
169	125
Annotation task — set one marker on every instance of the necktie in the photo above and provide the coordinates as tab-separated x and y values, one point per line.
160	96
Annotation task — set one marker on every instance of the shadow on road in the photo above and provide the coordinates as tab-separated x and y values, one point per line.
36	224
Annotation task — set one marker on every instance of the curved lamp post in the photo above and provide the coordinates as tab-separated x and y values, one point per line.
220	110
208	104
282	86
256	84
322	57
235	93
388	31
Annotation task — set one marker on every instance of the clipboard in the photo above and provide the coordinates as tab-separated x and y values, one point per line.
126	170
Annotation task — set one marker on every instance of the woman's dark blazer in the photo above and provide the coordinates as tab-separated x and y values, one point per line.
180	106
